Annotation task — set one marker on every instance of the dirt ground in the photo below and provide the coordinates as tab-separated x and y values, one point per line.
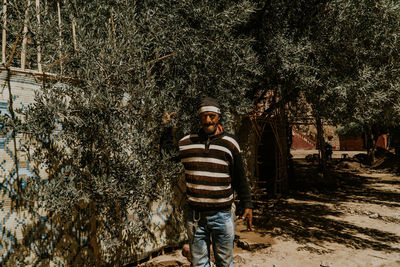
350	217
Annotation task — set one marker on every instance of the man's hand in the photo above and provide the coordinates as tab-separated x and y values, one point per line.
248	216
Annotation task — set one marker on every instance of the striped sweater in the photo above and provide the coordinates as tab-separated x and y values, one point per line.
213	169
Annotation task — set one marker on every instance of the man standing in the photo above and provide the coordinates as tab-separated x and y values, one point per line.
213	169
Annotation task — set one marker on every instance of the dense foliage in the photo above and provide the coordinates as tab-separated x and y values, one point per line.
139	67
340	55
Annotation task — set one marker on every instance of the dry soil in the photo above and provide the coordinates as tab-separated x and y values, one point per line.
349	217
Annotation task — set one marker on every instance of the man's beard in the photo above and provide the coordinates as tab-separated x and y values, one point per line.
205	126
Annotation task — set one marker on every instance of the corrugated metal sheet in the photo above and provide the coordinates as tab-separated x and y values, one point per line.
25	238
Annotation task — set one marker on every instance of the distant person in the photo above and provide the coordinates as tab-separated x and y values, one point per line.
214	170
328	150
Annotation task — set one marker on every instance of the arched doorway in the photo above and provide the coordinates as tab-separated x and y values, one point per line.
266	160
264	143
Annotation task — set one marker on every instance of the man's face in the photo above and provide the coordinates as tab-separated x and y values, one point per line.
209	121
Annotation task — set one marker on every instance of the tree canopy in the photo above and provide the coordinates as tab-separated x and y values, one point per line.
139	67
341	55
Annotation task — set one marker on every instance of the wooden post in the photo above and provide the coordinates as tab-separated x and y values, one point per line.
74	34
13	131
24	36
113	33
4	39
39	52
59	34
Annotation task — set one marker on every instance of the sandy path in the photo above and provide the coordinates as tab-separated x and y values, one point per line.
351	218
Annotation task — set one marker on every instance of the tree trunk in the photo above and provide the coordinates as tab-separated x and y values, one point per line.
279	129
93	234
284	149
321	143
119	219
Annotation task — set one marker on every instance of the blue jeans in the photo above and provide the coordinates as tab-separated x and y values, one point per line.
218	229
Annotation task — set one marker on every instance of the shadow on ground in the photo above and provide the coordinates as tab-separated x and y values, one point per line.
310	213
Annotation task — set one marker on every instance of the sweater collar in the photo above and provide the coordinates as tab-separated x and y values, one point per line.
218	132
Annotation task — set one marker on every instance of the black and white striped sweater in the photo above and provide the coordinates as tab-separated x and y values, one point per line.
213	169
